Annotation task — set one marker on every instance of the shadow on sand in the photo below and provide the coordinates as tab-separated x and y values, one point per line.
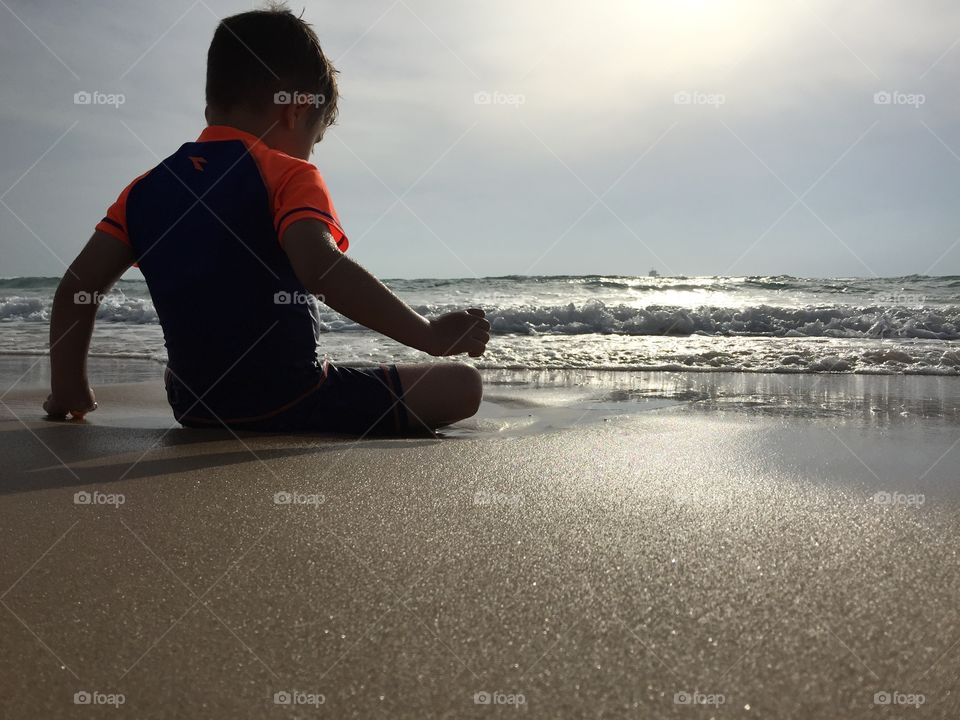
44	455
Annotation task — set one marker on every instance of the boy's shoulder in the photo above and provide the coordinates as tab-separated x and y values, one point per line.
295	188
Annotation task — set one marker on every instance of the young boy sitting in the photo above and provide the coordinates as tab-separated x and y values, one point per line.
235	233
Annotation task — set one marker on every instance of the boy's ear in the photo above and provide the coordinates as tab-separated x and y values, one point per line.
296	115
289	115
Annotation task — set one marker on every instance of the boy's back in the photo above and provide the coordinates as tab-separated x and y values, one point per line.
206	228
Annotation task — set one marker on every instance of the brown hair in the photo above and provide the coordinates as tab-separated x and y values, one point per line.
269	56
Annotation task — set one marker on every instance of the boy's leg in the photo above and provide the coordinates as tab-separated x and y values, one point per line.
438	394
361	401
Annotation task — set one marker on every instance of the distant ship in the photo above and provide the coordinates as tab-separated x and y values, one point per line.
653	273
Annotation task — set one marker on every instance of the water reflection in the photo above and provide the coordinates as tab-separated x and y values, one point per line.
879	401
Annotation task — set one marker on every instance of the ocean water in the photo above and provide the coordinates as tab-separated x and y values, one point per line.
904	325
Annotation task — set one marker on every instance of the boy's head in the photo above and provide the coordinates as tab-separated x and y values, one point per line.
268	65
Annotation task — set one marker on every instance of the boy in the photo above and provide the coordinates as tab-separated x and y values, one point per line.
235	233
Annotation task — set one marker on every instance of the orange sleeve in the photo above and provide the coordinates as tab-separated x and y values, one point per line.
115	221
298	191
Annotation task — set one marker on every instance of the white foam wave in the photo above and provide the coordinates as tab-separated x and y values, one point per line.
596	317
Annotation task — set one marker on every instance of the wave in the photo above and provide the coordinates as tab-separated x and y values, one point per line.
596	317
655	284
817	369
114	308
890	361
50	283
761	320
28	283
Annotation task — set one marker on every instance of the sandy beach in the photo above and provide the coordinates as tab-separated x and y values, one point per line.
645	546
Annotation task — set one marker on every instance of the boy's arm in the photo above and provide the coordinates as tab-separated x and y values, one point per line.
352	291
98	266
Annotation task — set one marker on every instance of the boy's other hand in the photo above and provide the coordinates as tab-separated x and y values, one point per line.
463	331
78	405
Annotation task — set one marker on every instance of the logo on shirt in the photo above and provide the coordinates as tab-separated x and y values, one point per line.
198	162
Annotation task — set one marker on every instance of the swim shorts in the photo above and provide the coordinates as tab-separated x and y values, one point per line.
354	401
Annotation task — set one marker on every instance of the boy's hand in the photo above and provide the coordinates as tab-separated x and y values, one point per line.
464	331
77	405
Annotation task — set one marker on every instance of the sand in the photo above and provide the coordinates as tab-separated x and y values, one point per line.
610	547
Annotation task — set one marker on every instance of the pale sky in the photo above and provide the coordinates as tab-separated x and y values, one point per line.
696	137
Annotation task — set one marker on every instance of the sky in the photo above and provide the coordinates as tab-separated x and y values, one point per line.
734	137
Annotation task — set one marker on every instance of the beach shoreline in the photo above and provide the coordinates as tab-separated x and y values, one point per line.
642	541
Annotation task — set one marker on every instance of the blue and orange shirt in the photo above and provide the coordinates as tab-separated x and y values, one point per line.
206	228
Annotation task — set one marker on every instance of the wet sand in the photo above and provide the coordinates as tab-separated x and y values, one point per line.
585	548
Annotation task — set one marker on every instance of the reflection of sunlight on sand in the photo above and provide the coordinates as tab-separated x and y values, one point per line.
530	410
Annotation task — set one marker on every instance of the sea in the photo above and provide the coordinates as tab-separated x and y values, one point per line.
770	324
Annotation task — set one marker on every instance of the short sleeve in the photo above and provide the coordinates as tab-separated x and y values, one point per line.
115	221
302	193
